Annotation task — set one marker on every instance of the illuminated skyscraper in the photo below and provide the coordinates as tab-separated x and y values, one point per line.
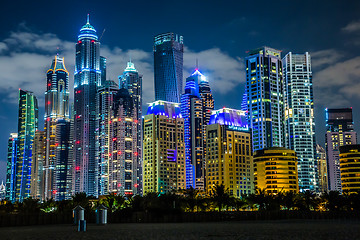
168	66
299	117
37	170
87	78
132	81
62	164
105	101
339	132
264	88
322	168
192	112
163	148
229	157
11	167
27	126
123	166
56	107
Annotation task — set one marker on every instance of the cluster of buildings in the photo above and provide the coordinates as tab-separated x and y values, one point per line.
102	143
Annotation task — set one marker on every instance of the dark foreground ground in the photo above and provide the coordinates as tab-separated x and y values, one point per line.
277	230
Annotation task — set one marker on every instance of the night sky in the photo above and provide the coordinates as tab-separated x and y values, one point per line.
217	33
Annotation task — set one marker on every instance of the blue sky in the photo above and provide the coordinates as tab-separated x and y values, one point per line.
218	33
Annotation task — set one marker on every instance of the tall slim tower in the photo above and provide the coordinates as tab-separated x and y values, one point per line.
299	117
87	78
27	126
11	168
339	132
164	148
192	112
56	107
264	88
132	81
168	66
104	132
37	169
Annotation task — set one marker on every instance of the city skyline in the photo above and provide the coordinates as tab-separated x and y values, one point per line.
324	56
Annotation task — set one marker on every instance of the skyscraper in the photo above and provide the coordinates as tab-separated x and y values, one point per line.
105	101
339	132
37	170
87	78
56	107
192	112
264	88
123	166
168	66
11	167
163	148
229	156
63	144
132	81
299	117
322	168
27	126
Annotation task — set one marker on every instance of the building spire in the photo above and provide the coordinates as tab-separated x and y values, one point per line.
197	64
88	19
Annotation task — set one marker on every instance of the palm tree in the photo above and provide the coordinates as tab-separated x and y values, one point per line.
220	196
191	198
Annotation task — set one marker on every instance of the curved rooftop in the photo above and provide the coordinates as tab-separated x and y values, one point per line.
87	31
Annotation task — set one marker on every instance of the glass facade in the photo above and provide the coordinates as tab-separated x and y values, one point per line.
339	132
27	126
192	112
168	66
299	117
87	78
12	155
265	100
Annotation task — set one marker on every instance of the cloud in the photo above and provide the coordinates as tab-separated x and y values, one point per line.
326	57
222	71
338	85
352	27
25	56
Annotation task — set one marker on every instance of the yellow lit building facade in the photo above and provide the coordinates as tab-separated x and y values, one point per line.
229	155
275	170
350	168
163	148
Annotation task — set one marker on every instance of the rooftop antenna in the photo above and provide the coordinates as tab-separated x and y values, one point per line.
130	56
57	51
197	64
88	17
102	34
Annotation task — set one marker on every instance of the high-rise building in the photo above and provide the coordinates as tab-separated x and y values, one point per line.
339	132
299	117
350	168
105	101
192	112
163	148
275	170
63	144
168	66
87	78
123	166
229	156
132	81
103	69
207	107
264	88
39	153
321	168
27	126
56	107
11	167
